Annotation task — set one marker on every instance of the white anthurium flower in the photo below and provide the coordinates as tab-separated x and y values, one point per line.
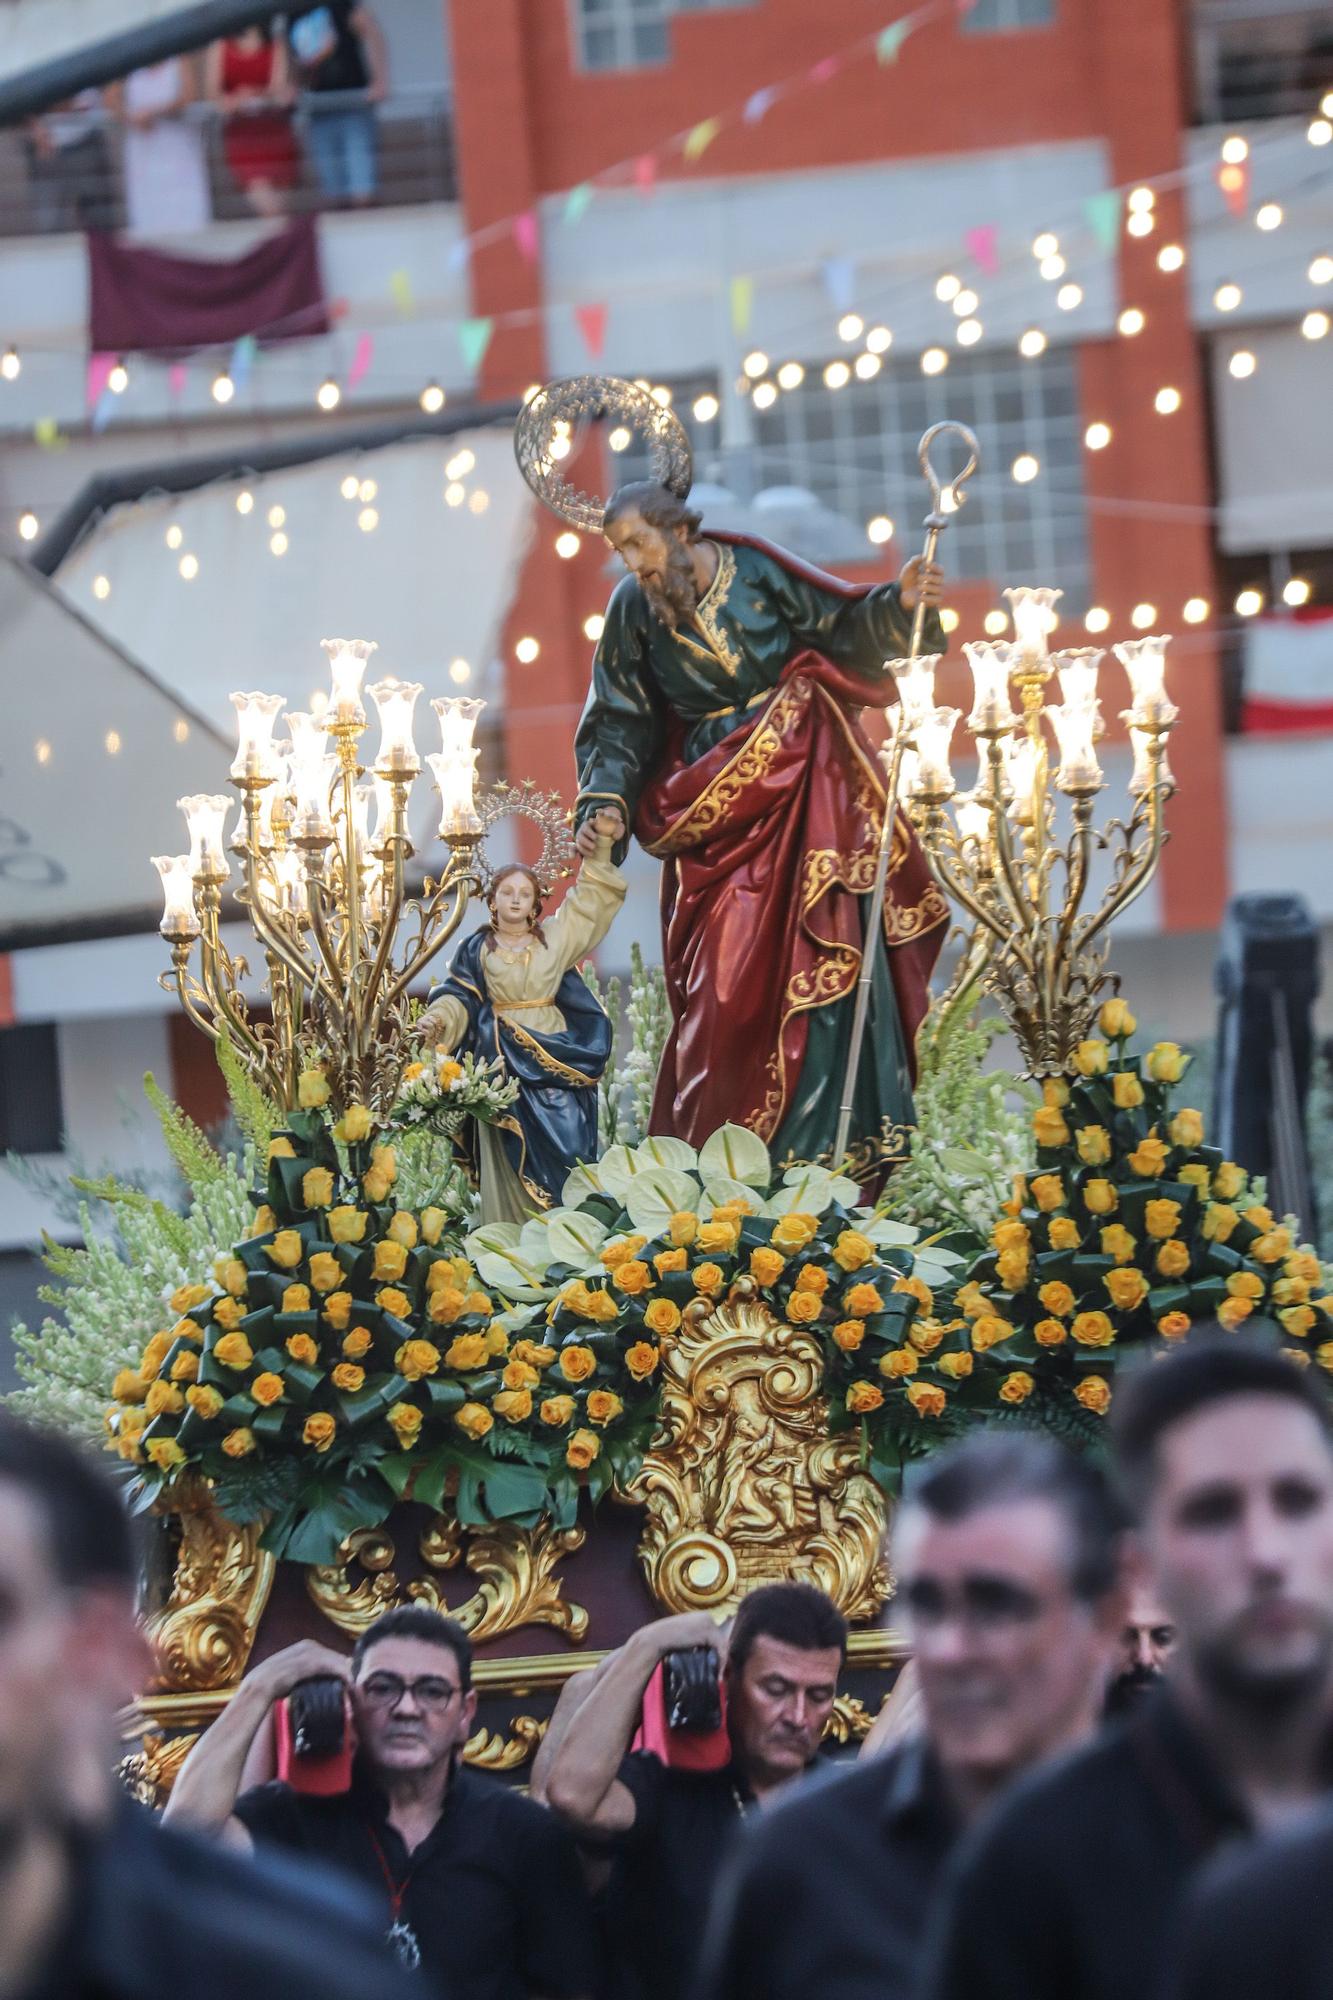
515	1318
720	1189
931	1272
574	1237
886	1235
845	1189
658	1152
510	1257
654	1198
738	1154
582	1182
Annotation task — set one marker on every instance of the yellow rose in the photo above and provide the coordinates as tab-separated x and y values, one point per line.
445	1302
1297	1320
1057	1298
1094	1145
1093	1329
317	1187
1219	1221
129	1386
852	1250
466	1350
155	1353
1173	1259
325	1271
267	1389
1090	1057
232	1275
603	1406
557	1410
1148	1157
318	1430
432	1225
1115	1020
164	1400
536	1356
514	1405
520	1375
971	1300
708	1277
1011	1267
601	1307
1259	1218
286	1249
1245	1285
1271	1249
1128	1288
281	1149
899	1361
390	1300
860	1301
1174	1325
621	1252
312	1089
1324	1355
916	1288
578	1363
403	1228
1016	1388
390	1259
1232	1311
375	1185
355	1125
1166	1062
1304	1264
1162	1219
955	1366
802	1307
641	1360
633	1277
1194	1174
1049	1333
186	1296
416	1358
185	1368
582	1449
793	1232
1048	1191
1186	1128
1049	1127
265	1219
357	1343
848	1334
233	1351
1118	1243
349	1378
1229	1181
404	1420
926	1398
346	1224
1011	1236
661	1316
296	1298
1017	1198
1054	1091
863	1397
1099	1197
926	1335
681	1229
1290	1291
204	1400
767	1266
716	1236
227	1313
338	1310
1064	1233
1094	1392
812	1278
303	1349
165	1453
989	1330
1126	1090
239	1443
670	1260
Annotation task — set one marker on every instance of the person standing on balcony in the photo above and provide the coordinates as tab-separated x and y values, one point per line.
248	78
342	69
165	167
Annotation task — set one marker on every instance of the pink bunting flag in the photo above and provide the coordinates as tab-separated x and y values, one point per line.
980	245
99	368
176	380
645	173
822	71
591	323
525	234
361	359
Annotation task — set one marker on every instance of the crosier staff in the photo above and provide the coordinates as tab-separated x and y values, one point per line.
935	521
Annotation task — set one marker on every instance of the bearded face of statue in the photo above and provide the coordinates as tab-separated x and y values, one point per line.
661	560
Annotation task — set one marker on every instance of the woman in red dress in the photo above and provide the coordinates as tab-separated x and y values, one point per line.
247	78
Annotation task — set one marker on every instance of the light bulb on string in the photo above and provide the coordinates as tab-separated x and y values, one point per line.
1032	343
29	525
790	375
851	326
223	388
118	378
878	341
432	399
328	395
10	365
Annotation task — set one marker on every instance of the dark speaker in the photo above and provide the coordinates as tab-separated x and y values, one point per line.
1267	984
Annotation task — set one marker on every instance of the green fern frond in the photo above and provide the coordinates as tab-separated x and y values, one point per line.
200	1163
173	1228
256	1113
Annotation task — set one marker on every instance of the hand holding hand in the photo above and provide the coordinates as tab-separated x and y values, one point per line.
604	825
920	579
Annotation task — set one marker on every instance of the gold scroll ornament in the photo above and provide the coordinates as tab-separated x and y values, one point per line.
743	1483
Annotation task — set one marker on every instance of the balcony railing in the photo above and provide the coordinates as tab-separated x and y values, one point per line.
47	187
1258	59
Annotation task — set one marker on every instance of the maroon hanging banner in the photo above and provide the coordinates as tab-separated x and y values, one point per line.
144	301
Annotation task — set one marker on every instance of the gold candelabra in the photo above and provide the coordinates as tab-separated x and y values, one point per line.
325	892
999	850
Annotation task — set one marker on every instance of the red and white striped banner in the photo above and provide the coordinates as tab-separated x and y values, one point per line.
1289	674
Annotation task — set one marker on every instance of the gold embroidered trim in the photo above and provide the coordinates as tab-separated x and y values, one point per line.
711	604
549	1062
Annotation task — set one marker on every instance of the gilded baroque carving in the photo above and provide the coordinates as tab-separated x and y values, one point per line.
743	1484
149	1772
203	1635
492	1750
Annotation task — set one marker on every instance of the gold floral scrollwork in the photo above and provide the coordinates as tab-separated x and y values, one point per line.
742	1484
149	1772
494	1751
203	1635
850	1722
516	1566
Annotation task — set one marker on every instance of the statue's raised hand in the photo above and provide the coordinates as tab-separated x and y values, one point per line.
922	579
605	825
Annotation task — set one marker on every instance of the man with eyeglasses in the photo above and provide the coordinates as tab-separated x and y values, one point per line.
1006	1553
481	1888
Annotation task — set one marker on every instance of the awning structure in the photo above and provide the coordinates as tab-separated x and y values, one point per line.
49	49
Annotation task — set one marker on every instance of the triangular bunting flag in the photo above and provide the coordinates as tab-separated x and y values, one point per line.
1101	212
645	173
761	102
102	409
980	245
47	433
890	39
400	287
99	367
591	323
840	282
577	200
242	360
1234	181
742	299
822	71
701	138
361	359
525	233
176	376
474	337
459	253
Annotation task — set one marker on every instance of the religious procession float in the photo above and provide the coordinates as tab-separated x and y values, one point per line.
560	1308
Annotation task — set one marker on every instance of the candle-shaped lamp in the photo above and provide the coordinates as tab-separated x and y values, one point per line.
455	766
179	923
395	701
1021	756
1144	660
347	664
916	689
1079	770
311	774
973	818
934	734
205	816
991	664
256	758
1032	608
1150	765
1077	668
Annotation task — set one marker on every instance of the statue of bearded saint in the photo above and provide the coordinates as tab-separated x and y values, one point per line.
722	728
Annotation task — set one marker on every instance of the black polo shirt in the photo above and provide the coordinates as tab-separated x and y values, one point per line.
494	1895
1072	1889
828	1894
1256	1924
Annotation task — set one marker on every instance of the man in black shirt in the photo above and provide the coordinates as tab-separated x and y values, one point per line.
1257	1924
97	1901
669	1829
1006	1553
479	1887
1072	1889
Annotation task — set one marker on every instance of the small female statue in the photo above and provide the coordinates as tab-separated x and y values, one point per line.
512	991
